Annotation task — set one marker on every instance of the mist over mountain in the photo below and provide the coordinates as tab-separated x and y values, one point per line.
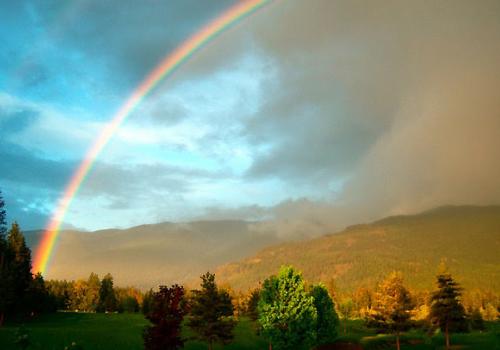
244	253
148	255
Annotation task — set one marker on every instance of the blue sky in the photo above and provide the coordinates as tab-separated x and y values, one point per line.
317	111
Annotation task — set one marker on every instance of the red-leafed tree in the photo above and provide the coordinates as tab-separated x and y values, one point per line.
167	312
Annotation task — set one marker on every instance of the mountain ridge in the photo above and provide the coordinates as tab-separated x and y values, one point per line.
467	237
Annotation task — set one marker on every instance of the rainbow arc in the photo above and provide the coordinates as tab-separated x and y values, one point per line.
163	70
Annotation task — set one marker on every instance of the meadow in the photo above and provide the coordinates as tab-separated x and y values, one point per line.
123	331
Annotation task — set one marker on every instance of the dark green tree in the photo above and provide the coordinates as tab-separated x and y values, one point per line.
128	304
147	302
38	299
252	305
211	312
107	297
287	313
392	308
327	321
476	320
447	311
19	268
168	309
6	291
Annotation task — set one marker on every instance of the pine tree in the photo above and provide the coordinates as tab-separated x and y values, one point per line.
447	311
38	298
107	297
19	268
167	313
252	305
147	302
287	313
211	311
6	292
327	319
393	306
91	298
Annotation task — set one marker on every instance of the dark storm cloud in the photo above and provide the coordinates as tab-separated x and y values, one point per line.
128	38
400	99
25	167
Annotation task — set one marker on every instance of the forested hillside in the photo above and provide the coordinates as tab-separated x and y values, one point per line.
467	237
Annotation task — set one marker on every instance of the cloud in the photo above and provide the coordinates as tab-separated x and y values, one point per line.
312	115
394	106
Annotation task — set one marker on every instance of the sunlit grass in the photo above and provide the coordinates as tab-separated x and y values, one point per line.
124	331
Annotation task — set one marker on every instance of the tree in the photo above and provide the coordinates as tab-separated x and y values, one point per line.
393	305
327	319
476	320
287	313
211	311
447	311
147	302
38	299
6	292
19	267
252	305
107	297
91	297
167	313
346	309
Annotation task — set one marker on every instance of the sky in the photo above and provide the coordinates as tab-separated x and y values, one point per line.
309	114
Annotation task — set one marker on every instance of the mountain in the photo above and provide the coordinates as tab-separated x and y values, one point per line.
466	237
148	255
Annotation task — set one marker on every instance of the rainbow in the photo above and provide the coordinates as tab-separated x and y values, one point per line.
164	69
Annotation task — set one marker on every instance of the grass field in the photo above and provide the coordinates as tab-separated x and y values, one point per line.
123	331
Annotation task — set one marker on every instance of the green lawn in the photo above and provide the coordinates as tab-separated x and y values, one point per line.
123	331
106	331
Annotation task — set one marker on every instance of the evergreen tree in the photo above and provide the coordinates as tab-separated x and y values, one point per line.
252	305
211	311
287	313
167	313
91	298
476	320
19	268
147	302
38	299
327	319
6	293
393	306
107	297
447	311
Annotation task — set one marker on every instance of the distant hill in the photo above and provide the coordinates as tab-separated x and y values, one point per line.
148	255
468	237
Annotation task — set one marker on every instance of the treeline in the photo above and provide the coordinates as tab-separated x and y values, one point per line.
22	294
94	295
291	314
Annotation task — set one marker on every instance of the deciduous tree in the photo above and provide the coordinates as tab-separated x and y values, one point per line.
327	319
167	313
287	313
346	309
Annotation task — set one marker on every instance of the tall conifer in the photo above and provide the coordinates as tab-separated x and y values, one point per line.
447	311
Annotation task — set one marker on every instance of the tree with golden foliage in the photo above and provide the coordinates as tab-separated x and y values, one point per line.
393	306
